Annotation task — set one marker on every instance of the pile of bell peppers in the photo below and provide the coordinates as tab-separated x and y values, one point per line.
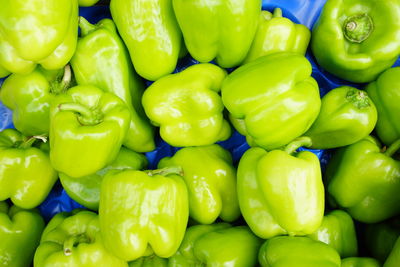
91	102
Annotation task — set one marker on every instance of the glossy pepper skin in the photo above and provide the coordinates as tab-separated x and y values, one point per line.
217	245
365	181
43	32
141	212
86	3
357	39
280	192
274	97
297	251
394	256
151	33
26	174
211	181
381	237
29	97
20	232
275	34
101	59
86	190
385	92
338	231
220	30
87	127
187	106
360	262
347	115
74	240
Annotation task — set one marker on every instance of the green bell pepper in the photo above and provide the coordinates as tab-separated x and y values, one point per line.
26	174
385	92
44	32
357	39
101	59
86	190
338	231
211	181
3	72
381	237
149	261
86	3
151	33
280	192
347	115
278	34
29	97
217	245
187	106
365	181
360	262
74	240
394	256
20	232
143	211
218	29
275	96
282	251
87	127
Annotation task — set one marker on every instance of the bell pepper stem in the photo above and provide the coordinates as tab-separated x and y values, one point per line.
166	171
85	26
67	78
303	141
57	86
29	142
358	28
358	98
86	115
277	13
393	148
73	241
266	15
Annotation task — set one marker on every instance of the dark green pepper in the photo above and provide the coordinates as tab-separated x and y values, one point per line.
347	115
357	39
365	180
394	256
360	262
381	237
385	92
